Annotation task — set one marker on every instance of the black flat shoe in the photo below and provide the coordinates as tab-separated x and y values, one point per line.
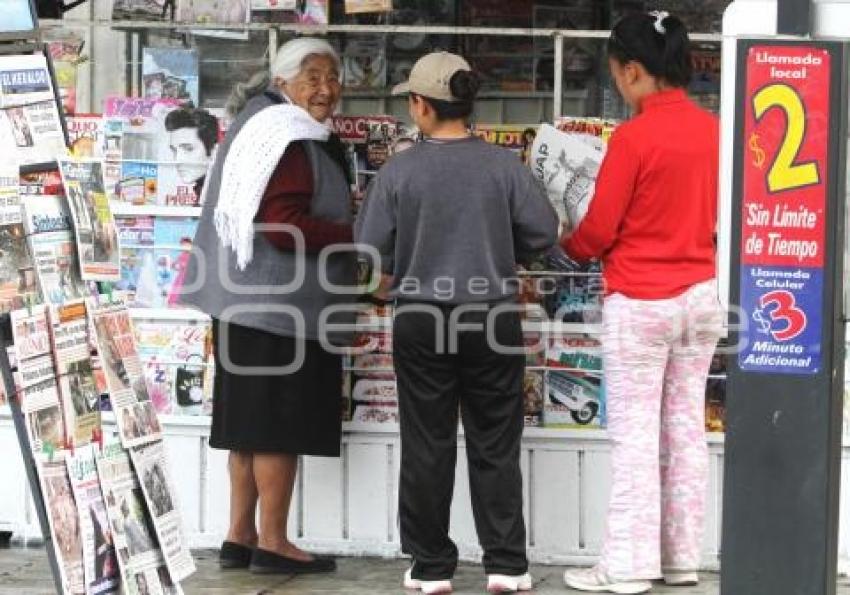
233	555
266	562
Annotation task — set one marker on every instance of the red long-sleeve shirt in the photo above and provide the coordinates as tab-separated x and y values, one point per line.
653	217
287	200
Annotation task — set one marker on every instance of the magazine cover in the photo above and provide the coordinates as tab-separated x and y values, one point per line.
157	152
30	128
86	135
568	167
362	6
151	468
213	11
274	5
18	285
69	334
49	227
173	243
100	564
575	294
304	12
64	521
140	560
518	139
97	239
532	388
365	63
575	395
177	364
375	401
37	379
715	393
143	10
574	400
171	73
136	235
134	413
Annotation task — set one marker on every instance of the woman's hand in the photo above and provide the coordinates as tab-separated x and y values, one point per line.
382	292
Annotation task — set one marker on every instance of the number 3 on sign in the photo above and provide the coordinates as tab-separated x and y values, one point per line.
784	174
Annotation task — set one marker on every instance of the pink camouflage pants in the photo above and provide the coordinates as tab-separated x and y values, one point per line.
657	356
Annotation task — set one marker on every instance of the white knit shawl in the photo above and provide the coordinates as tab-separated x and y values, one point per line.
248	167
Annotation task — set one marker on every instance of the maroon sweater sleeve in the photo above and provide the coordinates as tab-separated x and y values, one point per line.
287	200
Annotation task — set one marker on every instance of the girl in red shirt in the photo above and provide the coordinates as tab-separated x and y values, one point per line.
652	223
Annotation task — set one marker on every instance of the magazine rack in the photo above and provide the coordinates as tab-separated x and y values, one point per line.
26	448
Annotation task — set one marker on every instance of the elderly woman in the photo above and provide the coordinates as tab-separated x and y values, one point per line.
276	196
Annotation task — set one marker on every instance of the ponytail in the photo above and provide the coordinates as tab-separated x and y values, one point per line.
464	86
656	40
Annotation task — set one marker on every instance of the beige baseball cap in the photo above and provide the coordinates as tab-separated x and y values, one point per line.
431	74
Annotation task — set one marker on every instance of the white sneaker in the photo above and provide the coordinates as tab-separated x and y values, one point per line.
681	579
427	587
595	581
503	583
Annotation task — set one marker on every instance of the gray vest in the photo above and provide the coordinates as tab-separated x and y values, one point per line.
258	297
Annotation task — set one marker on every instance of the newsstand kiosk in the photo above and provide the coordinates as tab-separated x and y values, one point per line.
782	238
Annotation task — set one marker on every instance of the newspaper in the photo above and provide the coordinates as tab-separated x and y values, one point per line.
97	238
140	560
18	286
49	228
37	379
10	204
30	128
77	385
134	412
156	156
152	471
100	564
567	165
63	520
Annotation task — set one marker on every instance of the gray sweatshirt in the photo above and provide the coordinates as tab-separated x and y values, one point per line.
452	219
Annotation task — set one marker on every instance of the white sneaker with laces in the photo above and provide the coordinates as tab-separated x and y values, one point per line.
681	579
427	587
503	583
593	580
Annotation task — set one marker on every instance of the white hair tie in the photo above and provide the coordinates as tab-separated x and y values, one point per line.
660	15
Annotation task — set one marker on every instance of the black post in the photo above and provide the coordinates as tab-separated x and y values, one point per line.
26	448
784	408
794	17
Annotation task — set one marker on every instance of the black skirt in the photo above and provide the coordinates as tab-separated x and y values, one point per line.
296	413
